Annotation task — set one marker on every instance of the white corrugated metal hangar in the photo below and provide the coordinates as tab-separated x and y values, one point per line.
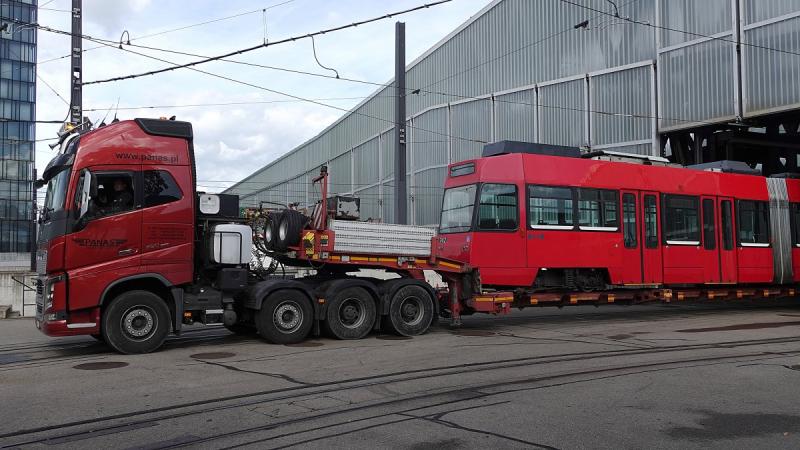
692	80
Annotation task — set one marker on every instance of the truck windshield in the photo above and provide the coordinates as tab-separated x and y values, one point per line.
457	209
56	192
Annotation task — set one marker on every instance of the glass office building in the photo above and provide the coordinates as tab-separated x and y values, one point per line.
17	136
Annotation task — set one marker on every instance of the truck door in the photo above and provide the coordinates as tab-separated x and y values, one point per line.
711	253
727	249
106	244
167	222
632	270
651	243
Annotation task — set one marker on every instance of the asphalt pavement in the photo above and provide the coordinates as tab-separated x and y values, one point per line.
655	376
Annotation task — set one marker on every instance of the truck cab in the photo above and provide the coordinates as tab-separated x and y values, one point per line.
119	214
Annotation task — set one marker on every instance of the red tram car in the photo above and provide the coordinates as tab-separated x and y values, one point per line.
548	222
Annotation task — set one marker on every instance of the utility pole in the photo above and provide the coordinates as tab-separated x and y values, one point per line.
76	84
401	204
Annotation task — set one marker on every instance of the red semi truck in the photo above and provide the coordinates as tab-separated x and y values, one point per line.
129	251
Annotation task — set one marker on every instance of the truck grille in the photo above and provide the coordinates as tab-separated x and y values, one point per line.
39	297
41	262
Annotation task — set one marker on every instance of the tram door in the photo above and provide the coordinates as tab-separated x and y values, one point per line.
641	241
652	265
710	250
727	249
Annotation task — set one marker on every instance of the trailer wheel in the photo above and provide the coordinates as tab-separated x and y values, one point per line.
136	322
290	225
350	314
286	317
411	311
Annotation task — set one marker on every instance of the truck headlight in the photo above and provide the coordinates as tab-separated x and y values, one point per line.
49	290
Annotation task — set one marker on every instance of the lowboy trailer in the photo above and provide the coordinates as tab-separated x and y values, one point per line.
129	251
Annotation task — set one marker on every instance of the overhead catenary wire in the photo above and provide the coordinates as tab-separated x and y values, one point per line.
286	94
410	89
270	44
676	30
181	28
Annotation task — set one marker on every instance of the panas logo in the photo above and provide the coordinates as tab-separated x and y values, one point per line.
99	243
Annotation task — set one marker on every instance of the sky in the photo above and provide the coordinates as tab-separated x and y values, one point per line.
231	141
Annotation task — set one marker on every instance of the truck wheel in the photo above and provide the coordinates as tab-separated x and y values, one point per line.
286	317
411	311
350	314
290	225
136	322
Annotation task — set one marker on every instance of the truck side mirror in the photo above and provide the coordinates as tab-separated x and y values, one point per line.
87	189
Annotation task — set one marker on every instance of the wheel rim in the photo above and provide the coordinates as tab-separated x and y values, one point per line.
411	311
288	317
139	323
351	313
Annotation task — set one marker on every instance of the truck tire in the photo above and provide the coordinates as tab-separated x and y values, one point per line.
290	225
286	317
350	314
136	322
271	230
411	311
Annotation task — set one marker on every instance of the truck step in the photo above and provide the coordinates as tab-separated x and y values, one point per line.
5	311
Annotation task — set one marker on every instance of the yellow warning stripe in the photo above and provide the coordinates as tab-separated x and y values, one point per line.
494	299
451	265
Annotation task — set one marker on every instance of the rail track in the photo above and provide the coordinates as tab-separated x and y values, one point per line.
611	363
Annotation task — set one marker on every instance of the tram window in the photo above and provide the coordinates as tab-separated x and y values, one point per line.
650	222
550	207
498	207
598	209
709	239
753	223
629	219
727	225
681	220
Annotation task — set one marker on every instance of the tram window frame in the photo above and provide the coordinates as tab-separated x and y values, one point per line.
669	211
726	214
757	207
605	199
650	217
630	229
709	224
544	192
480	224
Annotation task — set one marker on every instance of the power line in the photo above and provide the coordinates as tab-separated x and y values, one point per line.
52	89
159	33
274	91
269	44
675	30
255	102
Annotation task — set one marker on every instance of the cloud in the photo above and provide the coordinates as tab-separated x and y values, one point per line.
113	16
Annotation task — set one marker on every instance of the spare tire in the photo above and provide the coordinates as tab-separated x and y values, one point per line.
271	229
290	225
